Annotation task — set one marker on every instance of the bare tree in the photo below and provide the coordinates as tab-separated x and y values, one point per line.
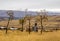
29	19
22	21
43	16
10	13
28	16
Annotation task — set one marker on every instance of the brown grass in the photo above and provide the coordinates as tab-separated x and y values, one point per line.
24	36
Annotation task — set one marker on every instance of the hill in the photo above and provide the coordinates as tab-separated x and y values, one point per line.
52	21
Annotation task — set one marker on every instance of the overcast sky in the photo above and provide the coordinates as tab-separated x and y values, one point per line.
30	4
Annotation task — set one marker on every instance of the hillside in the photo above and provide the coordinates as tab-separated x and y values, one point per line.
3	13
52	21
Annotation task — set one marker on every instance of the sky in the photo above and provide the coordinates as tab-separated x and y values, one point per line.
33	5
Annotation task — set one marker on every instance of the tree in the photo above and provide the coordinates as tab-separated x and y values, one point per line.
10	14
22	21
42	16
28	17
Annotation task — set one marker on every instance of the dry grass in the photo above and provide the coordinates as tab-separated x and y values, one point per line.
15	23
24	36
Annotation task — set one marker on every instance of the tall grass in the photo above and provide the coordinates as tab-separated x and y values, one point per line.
25	36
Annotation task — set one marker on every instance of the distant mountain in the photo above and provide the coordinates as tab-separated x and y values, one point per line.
19	14
3	13
53	13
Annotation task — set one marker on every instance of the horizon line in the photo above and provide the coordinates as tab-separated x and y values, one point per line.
37	10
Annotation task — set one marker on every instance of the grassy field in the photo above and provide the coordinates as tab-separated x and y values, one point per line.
25	36
15	23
